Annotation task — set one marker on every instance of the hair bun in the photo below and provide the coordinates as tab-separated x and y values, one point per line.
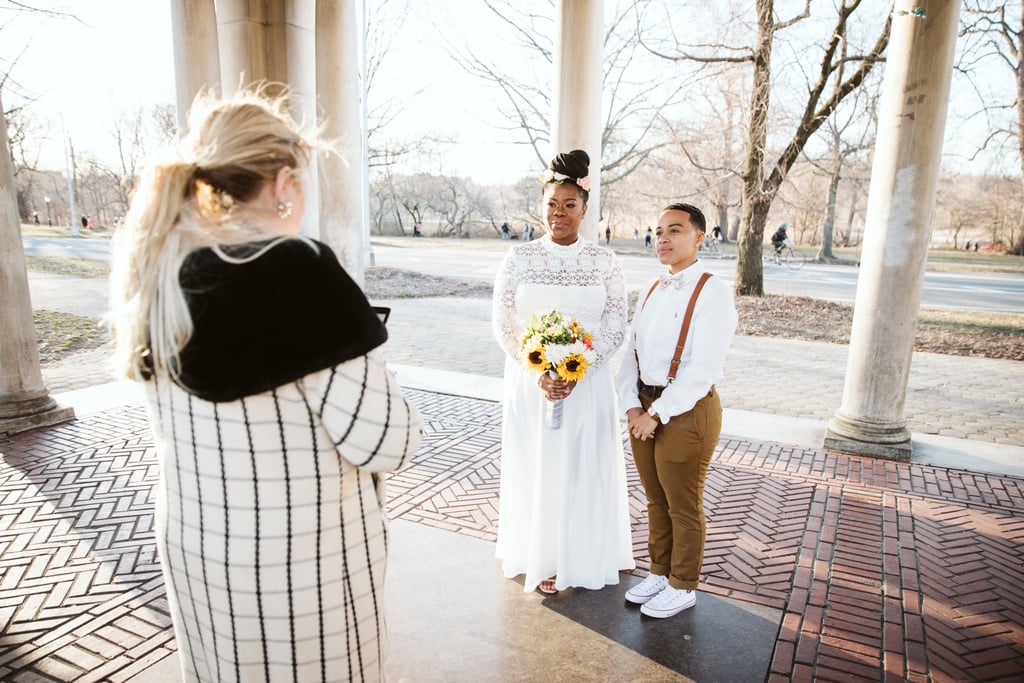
575	164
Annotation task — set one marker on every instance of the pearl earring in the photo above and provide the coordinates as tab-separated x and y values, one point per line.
284	209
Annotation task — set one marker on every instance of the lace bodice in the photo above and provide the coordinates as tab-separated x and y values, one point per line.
582	280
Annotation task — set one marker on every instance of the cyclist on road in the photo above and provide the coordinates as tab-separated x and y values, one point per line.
780	238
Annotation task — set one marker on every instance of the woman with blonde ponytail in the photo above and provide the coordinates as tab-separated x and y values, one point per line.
271	407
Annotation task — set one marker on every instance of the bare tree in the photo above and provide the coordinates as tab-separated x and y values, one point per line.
383	28
849	134
996	29
762	179
635	95
706	149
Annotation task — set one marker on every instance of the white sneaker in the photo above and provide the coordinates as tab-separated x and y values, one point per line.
669	602
646	589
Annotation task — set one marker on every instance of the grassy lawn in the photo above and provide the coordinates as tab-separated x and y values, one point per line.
61	334
68	266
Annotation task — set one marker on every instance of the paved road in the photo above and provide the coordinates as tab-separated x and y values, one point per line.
67	247
992	292
480	260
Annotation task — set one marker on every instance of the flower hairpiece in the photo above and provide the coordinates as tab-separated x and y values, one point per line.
550	175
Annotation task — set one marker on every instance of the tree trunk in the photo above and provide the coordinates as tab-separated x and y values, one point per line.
755	200
749	266
848	237
1018	248
825	251
723	220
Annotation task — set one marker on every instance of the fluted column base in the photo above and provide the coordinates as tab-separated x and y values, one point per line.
29	410
865	437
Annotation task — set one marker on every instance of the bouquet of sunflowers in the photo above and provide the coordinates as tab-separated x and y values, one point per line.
558	345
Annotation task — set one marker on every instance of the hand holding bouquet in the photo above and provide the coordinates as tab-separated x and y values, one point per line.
558	345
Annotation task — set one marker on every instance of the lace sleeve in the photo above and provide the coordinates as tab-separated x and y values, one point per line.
503	312
613	320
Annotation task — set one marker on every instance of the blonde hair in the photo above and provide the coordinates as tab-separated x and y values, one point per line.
197	197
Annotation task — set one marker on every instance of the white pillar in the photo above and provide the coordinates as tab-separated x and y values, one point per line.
239	37
901	203
339	94
298	59
24	401
577	116
196	56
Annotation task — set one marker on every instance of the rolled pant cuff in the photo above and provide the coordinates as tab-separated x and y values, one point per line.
681	585
661	569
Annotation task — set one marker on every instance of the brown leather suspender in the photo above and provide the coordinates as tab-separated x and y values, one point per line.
683	331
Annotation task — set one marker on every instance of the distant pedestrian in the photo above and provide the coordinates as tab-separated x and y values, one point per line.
636	234
35	217
506	230
647	239
967	246
85	221
976	245
607	236
416	232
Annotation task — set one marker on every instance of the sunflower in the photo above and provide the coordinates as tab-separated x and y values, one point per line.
533	356
573	368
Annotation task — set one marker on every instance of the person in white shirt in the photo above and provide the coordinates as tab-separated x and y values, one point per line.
674	412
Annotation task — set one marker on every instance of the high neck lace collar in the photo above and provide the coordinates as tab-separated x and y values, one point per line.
563	250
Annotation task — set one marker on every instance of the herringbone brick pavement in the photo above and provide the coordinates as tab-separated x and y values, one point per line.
883	571
81	595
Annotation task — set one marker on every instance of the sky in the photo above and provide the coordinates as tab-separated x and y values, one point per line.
116	55
113	56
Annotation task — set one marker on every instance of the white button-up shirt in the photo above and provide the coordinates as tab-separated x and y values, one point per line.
655	333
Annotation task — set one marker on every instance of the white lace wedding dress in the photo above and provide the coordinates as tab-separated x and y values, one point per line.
562	509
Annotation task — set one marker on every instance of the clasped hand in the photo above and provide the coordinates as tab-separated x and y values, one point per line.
641	424
555	388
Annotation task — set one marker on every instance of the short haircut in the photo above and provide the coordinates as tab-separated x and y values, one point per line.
696	216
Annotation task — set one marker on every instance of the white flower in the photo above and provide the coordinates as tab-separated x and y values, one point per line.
556	353
580	348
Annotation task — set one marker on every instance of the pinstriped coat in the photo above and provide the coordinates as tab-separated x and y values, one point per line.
270	522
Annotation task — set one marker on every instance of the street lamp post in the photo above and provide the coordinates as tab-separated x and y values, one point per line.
49	221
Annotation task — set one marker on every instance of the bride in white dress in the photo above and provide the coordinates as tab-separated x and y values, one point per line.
563	519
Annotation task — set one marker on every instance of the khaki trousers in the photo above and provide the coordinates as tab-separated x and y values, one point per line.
672	468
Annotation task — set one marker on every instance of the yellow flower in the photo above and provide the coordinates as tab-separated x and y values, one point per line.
573	368
533	356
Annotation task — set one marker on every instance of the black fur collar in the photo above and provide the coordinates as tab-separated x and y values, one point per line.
262	324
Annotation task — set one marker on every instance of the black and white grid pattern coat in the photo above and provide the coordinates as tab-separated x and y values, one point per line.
271	527
270	517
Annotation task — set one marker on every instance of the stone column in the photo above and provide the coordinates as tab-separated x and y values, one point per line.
577	116
901	203
274	42
241	39
298	63
196	56
339	94
24	401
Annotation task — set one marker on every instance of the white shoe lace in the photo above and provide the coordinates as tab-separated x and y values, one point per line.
652	582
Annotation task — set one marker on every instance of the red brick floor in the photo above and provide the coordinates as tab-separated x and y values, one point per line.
882	570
